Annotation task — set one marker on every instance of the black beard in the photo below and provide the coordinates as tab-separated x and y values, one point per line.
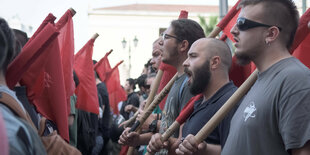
201	79
243	59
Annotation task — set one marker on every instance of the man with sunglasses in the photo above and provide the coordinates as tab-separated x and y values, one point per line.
273	118
176	41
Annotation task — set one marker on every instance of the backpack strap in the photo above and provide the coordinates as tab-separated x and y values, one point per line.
14	106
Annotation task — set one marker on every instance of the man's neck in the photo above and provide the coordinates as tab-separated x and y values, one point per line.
269	57
2	79
179	66
129	92
214	85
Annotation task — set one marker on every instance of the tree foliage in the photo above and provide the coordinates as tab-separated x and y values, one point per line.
208	27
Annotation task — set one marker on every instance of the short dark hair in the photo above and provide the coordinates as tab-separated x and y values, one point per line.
187	29
10	41
96	75
21	39
132	83
282	13
94	62
76	79
141	80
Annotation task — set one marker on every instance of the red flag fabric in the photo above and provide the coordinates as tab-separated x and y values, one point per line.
188	109
43	77
49	19
230	24
237	73
115	90
229	20
33	49
302	30
168	72
45	84
301	44
103	66
183	14
66	46
86	91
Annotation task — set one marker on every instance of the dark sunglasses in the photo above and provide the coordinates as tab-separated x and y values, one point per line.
245	24
167	36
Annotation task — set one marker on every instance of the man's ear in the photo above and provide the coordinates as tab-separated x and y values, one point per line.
183	46
215	62
272	34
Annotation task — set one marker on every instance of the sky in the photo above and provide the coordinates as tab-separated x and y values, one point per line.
32	12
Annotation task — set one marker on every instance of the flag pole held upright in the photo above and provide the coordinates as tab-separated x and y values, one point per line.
95	36
73	12
150	98
224	110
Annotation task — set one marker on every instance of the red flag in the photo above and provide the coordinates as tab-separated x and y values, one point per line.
43	77
49	19
86	91
183	14
168	72
237	73
66	46
33	49
301	44
103	66
115	90
45	84
229	20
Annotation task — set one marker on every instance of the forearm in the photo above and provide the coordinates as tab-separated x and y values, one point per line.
145	138
174	144
212	149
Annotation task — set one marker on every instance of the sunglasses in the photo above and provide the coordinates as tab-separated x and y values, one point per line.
167	36
245	24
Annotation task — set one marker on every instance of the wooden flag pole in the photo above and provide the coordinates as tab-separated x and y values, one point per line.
150	98
73	12
95	36
150	108
224	110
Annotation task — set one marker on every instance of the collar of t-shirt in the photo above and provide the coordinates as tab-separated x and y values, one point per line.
223	90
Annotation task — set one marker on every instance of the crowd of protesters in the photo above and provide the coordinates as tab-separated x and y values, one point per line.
272	118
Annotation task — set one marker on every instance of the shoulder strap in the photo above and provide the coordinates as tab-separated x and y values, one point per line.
11	103
182	88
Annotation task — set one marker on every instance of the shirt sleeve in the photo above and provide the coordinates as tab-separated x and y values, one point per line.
294	119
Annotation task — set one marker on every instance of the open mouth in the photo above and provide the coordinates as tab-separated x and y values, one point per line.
236	39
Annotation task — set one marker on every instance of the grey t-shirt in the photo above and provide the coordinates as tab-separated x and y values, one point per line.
274	116
176	100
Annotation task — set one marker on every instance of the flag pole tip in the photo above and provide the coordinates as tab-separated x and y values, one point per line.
95	36
73	12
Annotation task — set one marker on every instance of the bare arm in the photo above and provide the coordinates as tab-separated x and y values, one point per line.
305	150
190	146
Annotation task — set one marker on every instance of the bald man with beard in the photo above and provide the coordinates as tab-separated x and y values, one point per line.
207	67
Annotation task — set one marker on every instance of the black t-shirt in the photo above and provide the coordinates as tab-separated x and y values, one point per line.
132	99
21	94
104	100
203	112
